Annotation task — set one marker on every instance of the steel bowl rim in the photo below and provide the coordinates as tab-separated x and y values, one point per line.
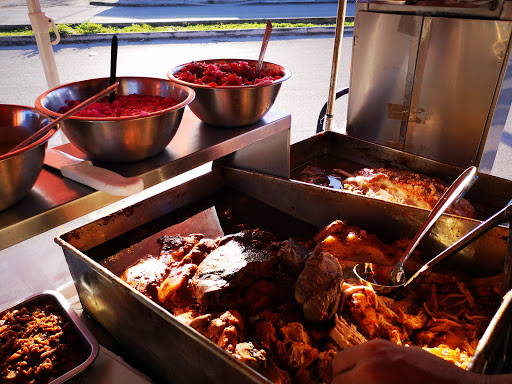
36	143
172	71
184	103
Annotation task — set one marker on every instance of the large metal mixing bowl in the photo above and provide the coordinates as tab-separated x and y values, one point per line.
119	139
20	169
233	106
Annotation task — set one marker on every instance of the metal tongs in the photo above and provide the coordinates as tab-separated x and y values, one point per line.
484	227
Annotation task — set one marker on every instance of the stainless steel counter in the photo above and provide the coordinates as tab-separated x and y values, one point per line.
55	200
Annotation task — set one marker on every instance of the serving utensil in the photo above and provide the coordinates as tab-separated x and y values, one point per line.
43	131
266	38
386	279
113	66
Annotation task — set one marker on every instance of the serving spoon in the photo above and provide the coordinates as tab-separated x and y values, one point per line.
43	131
266	38
388	279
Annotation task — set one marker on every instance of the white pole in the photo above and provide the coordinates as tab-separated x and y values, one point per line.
41	27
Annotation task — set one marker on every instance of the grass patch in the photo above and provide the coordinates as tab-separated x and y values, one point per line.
92	28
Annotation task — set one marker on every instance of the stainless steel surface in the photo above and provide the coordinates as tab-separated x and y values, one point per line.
159	337
119	139
454	88
55	200
428	85
85	337
382	75
233	106
20	169
330	149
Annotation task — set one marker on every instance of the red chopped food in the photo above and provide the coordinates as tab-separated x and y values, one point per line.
236	73
131	105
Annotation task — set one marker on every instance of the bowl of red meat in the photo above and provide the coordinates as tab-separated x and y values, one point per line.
139	123
229	92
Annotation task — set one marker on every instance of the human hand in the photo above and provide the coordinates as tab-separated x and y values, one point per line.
383	362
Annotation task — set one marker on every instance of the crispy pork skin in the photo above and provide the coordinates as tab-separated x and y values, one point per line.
318	287
227	271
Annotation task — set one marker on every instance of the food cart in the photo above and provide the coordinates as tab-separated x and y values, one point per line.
256	163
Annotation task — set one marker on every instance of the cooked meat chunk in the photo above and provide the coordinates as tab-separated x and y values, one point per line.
292	256
146	276
227	271
250	355
296	348
318	287
351	245
173	292
404	187
174	248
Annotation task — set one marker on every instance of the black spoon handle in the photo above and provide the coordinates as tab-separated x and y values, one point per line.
113	66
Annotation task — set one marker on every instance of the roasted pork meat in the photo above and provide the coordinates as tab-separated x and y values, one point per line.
232	267
394	185
287	307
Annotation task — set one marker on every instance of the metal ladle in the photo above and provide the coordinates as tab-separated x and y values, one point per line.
388	279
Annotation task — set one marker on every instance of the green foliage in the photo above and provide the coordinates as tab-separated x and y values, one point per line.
92	28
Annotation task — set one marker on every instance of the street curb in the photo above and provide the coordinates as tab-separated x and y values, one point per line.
177	35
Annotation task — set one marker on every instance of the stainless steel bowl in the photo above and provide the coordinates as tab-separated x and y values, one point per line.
20	169
232	106
119	139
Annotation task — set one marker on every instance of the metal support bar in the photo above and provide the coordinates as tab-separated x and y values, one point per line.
340	23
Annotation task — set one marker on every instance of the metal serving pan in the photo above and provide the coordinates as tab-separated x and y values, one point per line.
330	150
173	352
87	341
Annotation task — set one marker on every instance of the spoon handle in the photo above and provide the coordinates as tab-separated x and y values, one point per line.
450	195
264	44
113	66
43	131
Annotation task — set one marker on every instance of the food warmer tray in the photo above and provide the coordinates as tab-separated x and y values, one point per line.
173	352
330	149
55	200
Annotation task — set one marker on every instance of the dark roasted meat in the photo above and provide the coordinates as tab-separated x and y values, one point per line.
227	271
318	287
292	257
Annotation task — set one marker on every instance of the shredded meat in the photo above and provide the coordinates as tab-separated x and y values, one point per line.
394	185
37	345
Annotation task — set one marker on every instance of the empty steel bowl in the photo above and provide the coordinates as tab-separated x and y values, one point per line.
19	170
233	106
119	139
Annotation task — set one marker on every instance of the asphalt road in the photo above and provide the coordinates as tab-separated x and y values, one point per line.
303	95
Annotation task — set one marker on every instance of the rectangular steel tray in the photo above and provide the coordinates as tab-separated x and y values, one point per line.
176	353
87	340
330	150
